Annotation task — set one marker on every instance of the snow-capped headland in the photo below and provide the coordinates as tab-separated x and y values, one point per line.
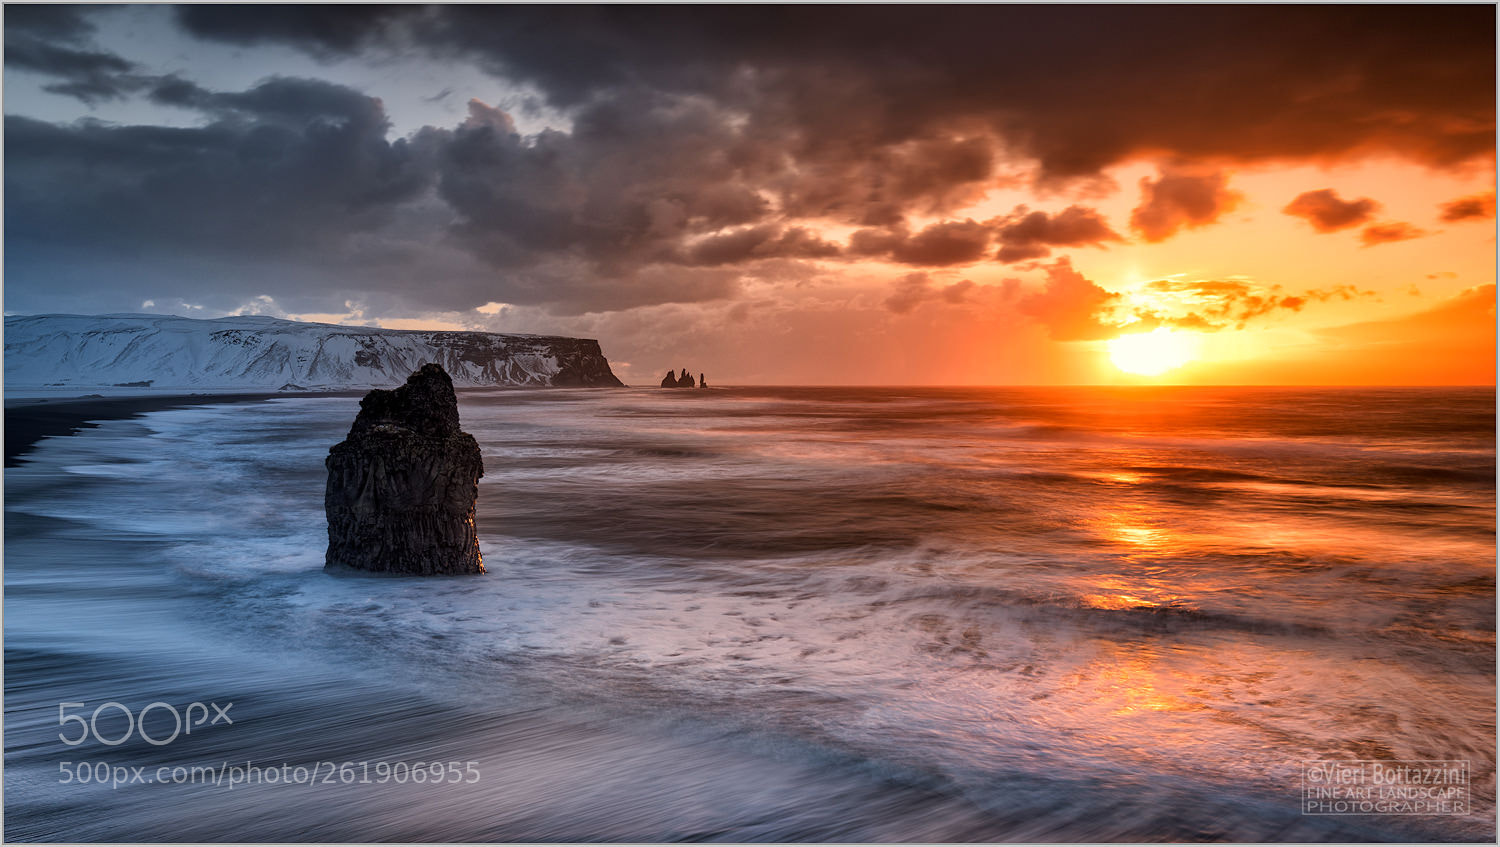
52	355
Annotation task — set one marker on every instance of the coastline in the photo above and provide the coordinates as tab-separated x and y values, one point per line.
29	420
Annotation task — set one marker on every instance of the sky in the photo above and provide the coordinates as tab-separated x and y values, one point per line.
893	195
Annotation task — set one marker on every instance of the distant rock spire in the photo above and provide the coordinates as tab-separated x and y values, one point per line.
683	380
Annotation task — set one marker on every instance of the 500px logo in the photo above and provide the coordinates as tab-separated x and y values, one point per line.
183	722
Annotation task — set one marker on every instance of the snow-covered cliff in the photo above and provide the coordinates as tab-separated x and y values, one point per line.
49	353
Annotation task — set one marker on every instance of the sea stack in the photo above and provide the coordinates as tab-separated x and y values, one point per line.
669	381
402	485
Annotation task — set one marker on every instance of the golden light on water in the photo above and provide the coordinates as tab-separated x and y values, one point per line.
1152	353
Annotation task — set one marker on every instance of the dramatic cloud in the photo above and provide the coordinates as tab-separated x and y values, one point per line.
688	149
324	29
1388	232
51	21
1327	213
760	242
54	40
1476	207
1233	82
288	163
1181	198
1022	235
946	243
1030	235
1069	305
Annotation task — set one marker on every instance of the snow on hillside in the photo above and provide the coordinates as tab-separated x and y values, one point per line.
53	353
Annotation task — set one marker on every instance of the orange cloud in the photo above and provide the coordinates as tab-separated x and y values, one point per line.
1473	207
1389	232
1219	304
1327	213
1179	199
1069	305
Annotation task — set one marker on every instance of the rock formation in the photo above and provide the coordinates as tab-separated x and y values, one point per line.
402	486
683	380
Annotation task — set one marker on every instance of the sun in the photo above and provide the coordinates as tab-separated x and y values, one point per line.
1151	353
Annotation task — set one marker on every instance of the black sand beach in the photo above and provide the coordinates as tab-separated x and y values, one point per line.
28	421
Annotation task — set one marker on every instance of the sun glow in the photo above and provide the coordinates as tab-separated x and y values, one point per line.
1151	353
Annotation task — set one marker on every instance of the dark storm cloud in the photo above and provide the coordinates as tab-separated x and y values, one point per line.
1181	199
947	243
300	171
936	245
50	21
1022	235
631	184
1387	233
292	168
54	41
760	242
1031	235
1239	83
321	28
1328	213
88	75
868	183
1476	207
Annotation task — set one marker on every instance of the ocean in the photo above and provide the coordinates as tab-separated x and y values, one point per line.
812	614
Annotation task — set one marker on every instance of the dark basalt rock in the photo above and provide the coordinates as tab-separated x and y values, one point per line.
683	380
402	486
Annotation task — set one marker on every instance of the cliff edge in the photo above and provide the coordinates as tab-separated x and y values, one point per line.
254	353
